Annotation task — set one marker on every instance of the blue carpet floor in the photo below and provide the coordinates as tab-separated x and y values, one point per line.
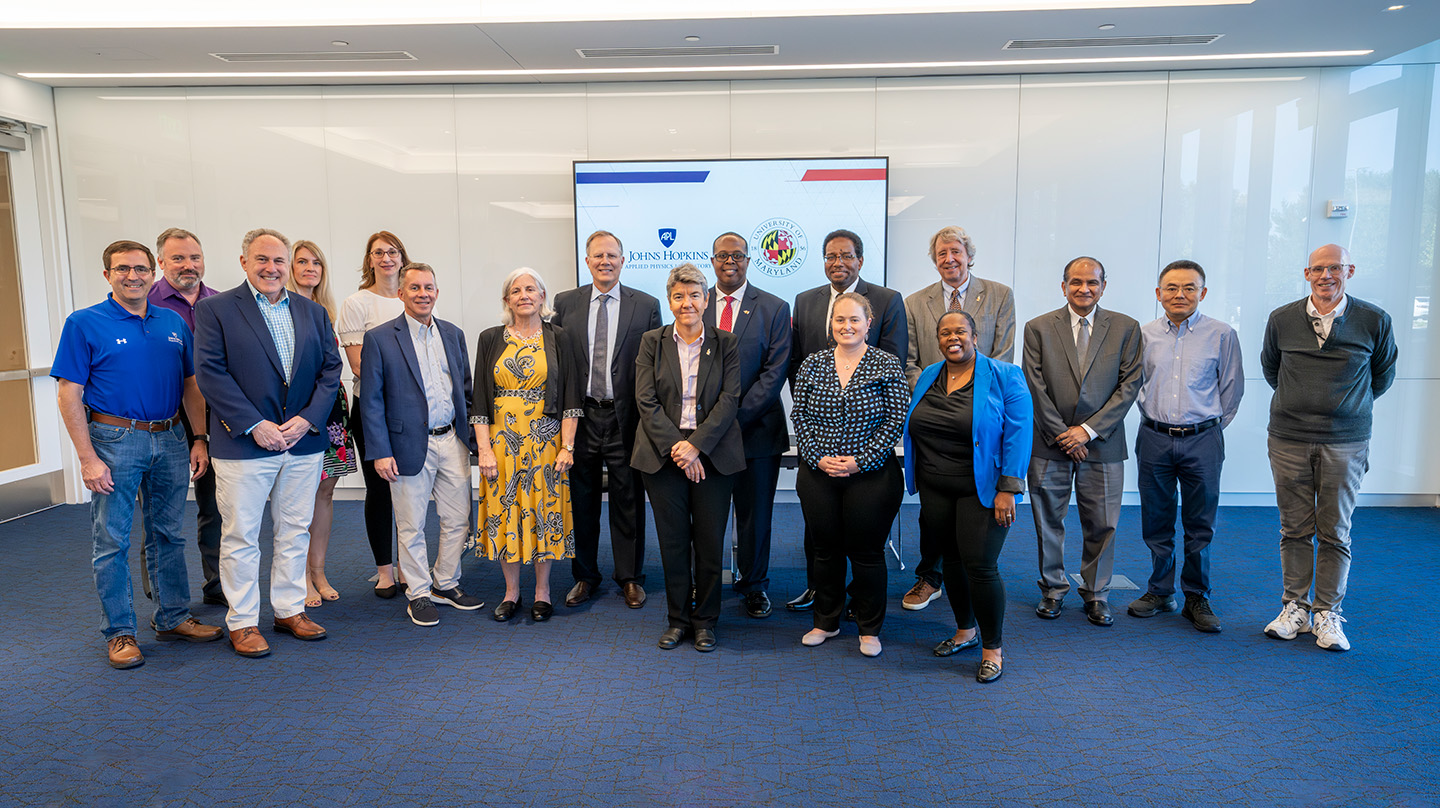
586	711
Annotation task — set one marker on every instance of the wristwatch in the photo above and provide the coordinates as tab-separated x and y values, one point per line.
205	438
569	447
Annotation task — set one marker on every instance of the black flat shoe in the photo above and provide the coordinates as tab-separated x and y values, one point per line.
949	648
387	592
988	672
803	603
671	638
704	639
540	611
506	610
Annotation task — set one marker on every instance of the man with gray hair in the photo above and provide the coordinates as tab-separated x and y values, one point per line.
268	365
1328	356
992	305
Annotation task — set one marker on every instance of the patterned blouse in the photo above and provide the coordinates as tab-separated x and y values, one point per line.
864	419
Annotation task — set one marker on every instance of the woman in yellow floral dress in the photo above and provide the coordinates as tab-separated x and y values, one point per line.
527	406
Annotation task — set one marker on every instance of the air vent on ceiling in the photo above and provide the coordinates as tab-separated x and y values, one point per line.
1112	41
697	50
317	56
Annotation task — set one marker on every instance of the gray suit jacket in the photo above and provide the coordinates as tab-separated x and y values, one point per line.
1070	390
991	303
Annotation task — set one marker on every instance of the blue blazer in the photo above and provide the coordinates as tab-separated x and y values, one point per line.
240	375
762	324
1001	424
392	393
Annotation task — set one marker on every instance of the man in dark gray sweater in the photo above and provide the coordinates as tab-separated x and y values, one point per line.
1328	356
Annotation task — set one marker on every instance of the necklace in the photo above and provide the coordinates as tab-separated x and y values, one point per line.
533	339
847	366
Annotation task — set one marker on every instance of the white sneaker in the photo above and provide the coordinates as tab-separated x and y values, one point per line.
1293	621
1328	633
816	636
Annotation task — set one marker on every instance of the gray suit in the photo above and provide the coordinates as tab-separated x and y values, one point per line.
1068	390
992	304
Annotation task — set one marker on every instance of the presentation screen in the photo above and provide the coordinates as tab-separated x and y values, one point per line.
669	212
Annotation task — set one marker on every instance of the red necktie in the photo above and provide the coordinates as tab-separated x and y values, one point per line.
727	317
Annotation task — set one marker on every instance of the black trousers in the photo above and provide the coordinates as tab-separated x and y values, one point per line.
690	522
754	509
601	445
849	518
379	510
932	556
952	509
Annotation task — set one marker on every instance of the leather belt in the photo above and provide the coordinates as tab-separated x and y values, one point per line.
1180	430
600	403
131	423
441	430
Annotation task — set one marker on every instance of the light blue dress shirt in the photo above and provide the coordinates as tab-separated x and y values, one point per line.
1193	371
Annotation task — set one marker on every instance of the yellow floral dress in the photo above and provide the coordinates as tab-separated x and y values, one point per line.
525	511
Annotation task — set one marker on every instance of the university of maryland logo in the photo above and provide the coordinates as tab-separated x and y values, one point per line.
780	247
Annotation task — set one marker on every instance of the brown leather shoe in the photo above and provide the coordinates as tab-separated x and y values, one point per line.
634	595
247	642
191	630
579	593
300	627
124	652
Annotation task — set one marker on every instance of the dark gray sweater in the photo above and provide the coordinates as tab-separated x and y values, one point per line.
1325	394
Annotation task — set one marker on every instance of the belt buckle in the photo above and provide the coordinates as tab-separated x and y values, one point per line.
1178	431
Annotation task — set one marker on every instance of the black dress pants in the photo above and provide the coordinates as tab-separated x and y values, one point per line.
952	508
690	522
602	444
754	511
849	518
379	510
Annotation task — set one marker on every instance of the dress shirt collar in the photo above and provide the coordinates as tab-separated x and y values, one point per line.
419	330
1188	324
261	298
834	294
963	289
1335	312
693	346
1075	318
163	288
595	293
738	294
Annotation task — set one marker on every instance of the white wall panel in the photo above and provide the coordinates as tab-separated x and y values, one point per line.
685	120
801	118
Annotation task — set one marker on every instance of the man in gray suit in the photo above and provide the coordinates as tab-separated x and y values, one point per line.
993	307
1084	369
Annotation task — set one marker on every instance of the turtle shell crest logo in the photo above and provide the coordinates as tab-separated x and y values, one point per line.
780	247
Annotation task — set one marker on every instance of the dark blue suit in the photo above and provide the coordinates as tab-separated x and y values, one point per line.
245	386
392	393
762	324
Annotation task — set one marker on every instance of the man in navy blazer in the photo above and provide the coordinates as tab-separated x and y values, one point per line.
606	437
844	255
761	321
268	366
415	389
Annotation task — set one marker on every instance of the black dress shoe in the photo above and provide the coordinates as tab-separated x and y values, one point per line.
506	610
803	603
579	593
988	672
215	600
950	648
704	639
541	610
1098	612
671	638
757	604
387	592
1049	608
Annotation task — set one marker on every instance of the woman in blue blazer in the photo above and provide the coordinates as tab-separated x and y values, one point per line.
969	399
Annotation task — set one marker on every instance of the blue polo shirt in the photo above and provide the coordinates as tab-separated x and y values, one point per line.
130	367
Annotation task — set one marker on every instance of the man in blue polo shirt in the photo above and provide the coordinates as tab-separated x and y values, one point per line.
123	369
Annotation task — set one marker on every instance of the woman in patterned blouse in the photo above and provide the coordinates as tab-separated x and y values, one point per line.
849	411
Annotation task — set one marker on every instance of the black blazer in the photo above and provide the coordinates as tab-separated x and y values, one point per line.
762	325
563	397
889	332
638	313
658	392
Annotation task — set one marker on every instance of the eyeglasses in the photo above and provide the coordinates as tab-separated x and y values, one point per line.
1330	269
138	271
390	253
725	257
831	258
1189	289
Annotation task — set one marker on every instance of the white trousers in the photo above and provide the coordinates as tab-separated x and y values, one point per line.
446	474
241	488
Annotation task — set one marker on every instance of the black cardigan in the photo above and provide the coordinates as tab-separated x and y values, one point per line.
563	397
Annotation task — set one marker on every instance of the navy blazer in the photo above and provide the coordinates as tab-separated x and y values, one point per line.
762	324
658	391
245	386
1000	425
392	393
890	332
639	312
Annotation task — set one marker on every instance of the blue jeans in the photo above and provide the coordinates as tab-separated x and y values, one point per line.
156	467
1190	464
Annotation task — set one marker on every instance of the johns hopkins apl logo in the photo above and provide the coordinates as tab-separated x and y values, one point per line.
780	247
667	236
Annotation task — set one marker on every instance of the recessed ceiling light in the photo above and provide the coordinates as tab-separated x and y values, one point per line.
339	43
1394	8
692	38
1107	26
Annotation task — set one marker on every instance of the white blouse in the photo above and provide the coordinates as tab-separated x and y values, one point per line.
361	312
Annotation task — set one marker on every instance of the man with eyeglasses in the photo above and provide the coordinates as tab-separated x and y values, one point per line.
1194	378
610	319
1328	356
844	255
124	368
762	323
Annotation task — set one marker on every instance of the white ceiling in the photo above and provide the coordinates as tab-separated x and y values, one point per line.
858	43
